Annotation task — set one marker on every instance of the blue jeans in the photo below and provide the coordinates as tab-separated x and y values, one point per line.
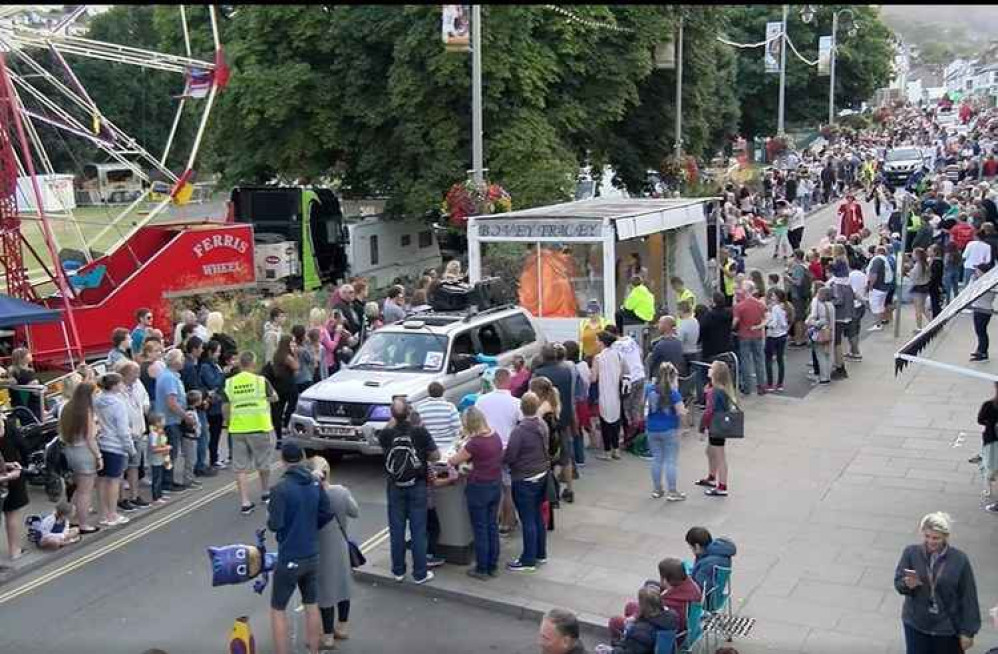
173	440
527	497
483	507
951	282
158	472
201	461
664	446
579	446
407	505
753	367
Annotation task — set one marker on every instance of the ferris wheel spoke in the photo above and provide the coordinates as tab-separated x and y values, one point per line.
92	109
91	48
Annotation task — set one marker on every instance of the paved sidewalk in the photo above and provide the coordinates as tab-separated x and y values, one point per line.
825	493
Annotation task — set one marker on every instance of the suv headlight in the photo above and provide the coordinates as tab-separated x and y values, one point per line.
380	412
305	408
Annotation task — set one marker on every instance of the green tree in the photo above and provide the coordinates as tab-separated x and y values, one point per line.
863	64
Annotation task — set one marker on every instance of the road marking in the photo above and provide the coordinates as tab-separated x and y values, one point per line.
374	541
368	545
118	544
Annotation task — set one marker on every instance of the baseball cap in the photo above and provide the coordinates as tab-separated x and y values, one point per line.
292	453
593	306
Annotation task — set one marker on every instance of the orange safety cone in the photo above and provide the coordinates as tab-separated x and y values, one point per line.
241	639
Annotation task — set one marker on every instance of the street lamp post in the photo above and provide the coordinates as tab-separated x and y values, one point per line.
806	14
783	71
477	156
679	91
831	70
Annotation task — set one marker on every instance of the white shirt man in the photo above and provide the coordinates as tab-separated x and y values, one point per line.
501	409
974	254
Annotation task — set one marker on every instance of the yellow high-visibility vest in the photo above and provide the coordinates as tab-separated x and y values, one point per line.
249	408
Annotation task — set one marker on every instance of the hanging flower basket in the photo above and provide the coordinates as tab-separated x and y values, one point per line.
465	199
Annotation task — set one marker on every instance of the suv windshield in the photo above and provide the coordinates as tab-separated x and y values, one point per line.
401	351
907	154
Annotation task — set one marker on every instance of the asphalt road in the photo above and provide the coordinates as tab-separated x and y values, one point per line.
150	586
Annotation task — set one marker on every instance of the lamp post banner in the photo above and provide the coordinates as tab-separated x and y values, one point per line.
456	28
773	46
824	55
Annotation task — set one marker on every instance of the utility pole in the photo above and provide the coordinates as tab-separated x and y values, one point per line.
783	71
831	70
679	91
477	157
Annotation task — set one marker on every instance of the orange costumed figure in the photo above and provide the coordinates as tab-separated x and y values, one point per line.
557	297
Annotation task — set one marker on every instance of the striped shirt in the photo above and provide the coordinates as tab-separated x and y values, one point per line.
441	419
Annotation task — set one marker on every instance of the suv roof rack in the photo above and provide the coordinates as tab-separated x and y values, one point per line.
465	315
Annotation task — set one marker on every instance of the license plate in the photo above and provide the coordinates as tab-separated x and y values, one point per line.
344	432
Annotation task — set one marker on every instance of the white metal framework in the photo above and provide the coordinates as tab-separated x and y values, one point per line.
60	101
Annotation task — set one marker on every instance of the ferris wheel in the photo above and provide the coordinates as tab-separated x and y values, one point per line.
41	94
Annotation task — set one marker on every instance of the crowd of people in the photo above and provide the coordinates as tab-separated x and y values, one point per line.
160	415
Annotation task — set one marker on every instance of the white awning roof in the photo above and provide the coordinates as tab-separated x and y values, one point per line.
909	352
632	218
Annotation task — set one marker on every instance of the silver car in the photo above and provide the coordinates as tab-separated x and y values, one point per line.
346	412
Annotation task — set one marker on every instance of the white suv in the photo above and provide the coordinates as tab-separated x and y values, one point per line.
346	412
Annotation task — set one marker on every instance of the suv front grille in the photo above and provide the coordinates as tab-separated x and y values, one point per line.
354	412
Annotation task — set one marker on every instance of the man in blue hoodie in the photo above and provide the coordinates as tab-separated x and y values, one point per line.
298	509
709	553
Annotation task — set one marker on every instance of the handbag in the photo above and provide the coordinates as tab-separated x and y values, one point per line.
357	557
727	424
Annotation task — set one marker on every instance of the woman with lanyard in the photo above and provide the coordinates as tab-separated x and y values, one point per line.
940	614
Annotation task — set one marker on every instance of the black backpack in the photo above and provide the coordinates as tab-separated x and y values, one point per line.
402	462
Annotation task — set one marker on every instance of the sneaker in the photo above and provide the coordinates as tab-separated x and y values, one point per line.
160	502
876	328
165	493
120	520
196	485
247	509
179	488
675	496
603	457
853	357
541	561
140	503
706	481
428	577
974	459
475	574
435	561
568	496
779	389
992	508
219	465
616	455
265	498
399	578
516	566
126	506
657	494
716	492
